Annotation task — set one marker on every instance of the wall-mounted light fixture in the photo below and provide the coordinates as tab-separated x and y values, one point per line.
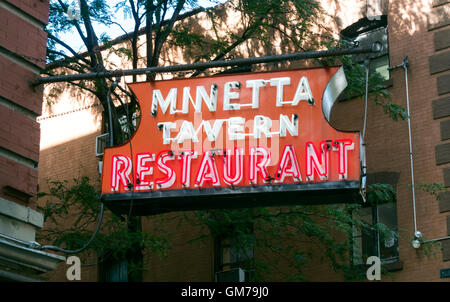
418	240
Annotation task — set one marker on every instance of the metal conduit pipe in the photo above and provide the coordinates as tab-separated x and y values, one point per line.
376	47
108	100
366	96
405	65
437	239
417	234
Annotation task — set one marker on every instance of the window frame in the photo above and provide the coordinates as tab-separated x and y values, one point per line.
220	243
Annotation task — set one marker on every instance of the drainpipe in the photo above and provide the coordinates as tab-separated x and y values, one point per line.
417	234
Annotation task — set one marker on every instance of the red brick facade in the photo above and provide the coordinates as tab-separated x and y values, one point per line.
415	29
22	54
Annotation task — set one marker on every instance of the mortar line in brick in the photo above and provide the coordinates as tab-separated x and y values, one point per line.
18	108
13	57
11	155
22	14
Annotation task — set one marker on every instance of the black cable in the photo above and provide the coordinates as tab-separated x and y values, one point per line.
102	207
132	187
130	125
59	249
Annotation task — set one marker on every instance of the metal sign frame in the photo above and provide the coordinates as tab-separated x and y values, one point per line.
159	201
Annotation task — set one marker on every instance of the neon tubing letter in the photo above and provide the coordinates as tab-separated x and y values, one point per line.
288	165
121	169
186	159
343	146
143	170
239	166
313	163
259	166
207	171
168	180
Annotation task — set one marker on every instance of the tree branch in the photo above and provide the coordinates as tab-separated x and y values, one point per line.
66	46
161	38
66	63
74	22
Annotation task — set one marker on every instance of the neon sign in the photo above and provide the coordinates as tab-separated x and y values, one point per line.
231	134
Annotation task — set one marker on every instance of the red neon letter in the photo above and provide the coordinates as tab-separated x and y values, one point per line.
170	176
313	163
143	170
186	159
260	166
121	169
239	166
207	171
288	165
343	145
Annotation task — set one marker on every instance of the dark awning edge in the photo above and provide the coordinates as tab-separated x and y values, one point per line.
157	202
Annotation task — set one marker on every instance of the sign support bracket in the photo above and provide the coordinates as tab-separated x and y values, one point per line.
376	47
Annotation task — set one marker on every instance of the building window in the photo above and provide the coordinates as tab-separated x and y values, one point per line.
365	33
380	65
363	238
370	242
111	270
387	215
231	255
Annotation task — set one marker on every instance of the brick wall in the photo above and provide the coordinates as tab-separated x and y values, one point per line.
417	29
439	68
59	166
22	54
410	34
22	57
68	152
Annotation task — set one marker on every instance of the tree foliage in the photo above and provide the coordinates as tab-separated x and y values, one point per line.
291	236
161	26
296	236
71	211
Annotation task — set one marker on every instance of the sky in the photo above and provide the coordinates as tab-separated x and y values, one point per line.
74	40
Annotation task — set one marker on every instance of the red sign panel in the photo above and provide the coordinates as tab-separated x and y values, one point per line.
234	133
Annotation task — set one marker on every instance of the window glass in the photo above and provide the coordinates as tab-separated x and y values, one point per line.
234	254
380	65
111	270
387	215
369	242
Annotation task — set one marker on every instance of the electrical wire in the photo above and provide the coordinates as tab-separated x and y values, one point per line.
130	125
102	207
59	249
132	188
